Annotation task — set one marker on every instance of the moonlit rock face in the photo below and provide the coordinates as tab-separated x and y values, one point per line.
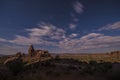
37	53
31	51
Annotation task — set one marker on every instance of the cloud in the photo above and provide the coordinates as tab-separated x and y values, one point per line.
70	43
45	34
91	35
90	41
98	41
78	7
114	26
75	19
42	30
22	40
3	40
49	35
47	30
72	26
73	35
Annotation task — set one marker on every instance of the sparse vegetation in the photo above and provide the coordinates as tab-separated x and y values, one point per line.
15	66
61	67
113	56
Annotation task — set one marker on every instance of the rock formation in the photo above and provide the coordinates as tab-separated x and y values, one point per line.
42	53
32	54
37	53
31	51
18	54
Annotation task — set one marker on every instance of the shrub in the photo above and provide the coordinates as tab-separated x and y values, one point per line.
57	57
15	65
93	63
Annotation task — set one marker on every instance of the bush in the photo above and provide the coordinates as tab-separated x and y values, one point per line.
15	65
93	63
57	57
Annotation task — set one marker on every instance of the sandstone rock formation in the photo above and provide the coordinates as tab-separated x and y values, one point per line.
12	59
37	53
32	55
15	58
42	53
31	51
18	54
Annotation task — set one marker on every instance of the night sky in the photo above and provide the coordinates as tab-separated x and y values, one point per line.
60	26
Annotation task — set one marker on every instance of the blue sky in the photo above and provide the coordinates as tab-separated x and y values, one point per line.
72	26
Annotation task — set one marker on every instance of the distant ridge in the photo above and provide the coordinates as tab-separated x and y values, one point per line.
116	51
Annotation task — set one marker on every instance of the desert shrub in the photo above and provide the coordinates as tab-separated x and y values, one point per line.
71	67
104	67
30	76
48	64
57	74
57	57
93	62
53	73
113	75
5	73
48	73
15	66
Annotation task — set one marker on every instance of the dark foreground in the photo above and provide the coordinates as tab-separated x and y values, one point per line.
61	69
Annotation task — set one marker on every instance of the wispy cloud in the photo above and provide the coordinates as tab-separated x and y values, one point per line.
3	40
91	35
44	34
47	30
114	26
73	35
78	7
50	35
22	40
75	19
91	41
72	26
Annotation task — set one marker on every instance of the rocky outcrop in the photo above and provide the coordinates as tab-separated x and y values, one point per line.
42	53
12	59
37	53
18	54
31	51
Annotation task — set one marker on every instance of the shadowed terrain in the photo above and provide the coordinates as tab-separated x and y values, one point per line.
40	65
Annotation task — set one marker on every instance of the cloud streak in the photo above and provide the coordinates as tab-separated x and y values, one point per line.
73	35
91	41
78	7
114	26
72	26
50	35
44	34
3	40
